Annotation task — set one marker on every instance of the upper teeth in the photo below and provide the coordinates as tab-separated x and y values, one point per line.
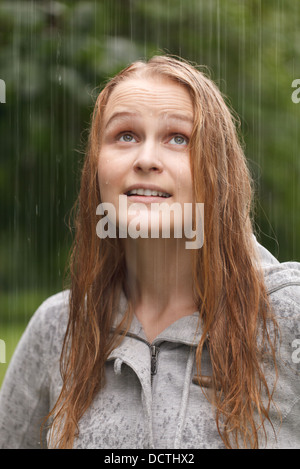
147	192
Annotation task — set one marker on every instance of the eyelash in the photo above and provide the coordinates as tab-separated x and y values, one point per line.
173	136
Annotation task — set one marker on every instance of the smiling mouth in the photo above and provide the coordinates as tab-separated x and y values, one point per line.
148	193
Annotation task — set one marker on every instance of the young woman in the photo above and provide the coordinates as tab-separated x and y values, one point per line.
157	345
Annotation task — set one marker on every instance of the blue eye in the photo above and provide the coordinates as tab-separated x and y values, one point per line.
179	140
128	138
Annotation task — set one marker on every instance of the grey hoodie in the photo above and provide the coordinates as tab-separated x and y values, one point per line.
150	399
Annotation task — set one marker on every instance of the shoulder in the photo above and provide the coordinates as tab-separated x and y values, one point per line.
53	312
46	328
282	282
284	295
283	286
26	389
55	307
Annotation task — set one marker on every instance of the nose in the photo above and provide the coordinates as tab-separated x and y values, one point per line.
147	159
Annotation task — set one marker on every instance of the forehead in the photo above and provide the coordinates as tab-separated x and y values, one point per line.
154	95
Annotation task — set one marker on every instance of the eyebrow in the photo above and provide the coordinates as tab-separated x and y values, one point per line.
122	115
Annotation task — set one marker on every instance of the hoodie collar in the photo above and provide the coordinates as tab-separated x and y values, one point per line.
186	330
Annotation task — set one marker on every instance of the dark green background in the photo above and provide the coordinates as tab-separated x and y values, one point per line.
53	58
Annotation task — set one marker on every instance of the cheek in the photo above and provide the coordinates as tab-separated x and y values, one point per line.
110	179
103	175
104	179
184	182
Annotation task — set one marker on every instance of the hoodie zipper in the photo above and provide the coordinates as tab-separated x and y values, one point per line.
154	351
154	356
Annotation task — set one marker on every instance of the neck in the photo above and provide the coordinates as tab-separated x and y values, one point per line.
159	276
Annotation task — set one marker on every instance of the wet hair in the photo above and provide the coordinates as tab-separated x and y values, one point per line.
228	282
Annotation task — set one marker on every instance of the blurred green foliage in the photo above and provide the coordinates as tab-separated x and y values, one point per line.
54	56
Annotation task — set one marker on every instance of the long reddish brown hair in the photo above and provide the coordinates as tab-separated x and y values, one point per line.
229	286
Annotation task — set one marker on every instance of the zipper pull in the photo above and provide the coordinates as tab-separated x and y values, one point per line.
154	355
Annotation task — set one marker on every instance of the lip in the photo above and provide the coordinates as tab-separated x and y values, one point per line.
152	187
147	199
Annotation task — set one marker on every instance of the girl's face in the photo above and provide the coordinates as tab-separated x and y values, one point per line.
144	152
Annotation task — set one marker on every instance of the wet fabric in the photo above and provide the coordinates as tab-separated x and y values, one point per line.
151	399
